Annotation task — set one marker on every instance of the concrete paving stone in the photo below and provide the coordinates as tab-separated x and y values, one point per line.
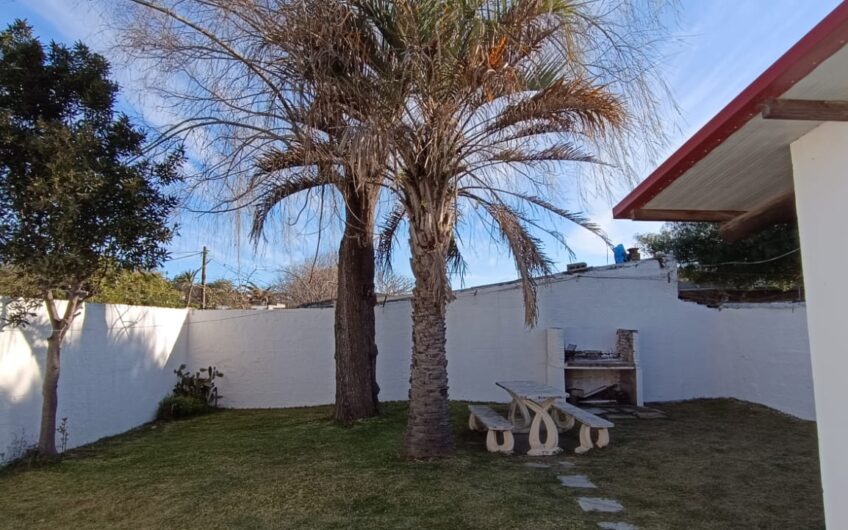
576	481
642	415
567	464
595	504
616	526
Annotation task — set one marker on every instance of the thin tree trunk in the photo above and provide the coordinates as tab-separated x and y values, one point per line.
49	393
52	364
428	431
356	347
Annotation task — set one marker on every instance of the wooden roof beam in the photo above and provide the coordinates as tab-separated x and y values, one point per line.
805	109
777	210
712	216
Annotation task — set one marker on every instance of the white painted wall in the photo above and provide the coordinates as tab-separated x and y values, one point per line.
117	363
756	352
819	161
276	358
284	358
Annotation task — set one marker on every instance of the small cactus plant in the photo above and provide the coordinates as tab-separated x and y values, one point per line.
200	384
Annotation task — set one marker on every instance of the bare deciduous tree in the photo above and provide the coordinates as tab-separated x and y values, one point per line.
389	283
309	282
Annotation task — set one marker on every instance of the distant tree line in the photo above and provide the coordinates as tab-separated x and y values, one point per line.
770	259
306	282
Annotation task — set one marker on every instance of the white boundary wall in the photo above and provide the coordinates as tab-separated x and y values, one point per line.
755	352
117	363
284	358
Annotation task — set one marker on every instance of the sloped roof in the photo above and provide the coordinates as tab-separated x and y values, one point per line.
740	160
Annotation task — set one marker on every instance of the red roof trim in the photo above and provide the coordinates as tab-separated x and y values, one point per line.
821	42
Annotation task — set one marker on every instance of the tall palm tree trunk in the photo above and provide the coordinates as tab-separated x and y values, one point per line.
356	347
428	431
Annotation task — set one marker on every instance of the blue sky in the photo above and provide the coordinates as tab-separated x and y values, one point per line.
722	46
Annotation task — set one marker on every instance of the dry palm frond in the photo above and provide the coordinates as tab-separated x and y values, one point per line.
590	107
574	217
556	153
387	235
526	250
457	266
273	193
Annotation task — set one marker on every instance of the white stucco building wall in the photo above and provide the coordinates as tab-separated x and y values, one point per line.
117	363
820	168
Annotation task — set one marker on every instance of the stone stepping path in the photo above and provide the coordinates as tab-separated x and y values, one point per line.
587	504
616	526
576	481
597	504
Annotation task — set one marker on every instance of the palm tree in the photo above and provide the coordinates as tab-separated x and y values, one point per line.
493	96
257	295
250	81
454	107
332	145
289	169
184	282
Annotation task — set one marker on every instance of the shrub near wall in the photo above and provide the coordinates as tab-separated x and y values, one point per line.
178	407
193	394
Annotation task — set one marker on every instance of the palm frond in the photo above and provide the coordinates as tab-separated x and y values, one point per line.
457	266
563	152
273	193
275	160
577	218
526	250
386	237
591	108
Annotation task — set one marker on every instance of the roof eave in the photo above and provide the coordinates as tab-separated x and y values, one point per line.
825	39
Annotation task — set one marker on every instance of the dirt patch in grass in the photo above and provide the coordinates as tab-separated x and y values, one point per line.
712	464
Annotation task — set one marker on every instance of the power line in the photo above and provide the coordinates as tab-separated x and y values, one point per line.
183	257
253	313
751	262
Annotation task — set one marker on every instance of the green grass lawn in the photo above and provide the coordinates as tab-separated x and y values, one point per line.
712	464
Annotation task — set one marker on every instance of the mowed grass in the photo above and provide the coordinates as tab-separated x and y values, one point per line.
712	464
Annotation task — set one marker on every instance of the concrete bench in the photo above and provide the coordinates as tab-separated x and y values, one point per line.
588	421
484	418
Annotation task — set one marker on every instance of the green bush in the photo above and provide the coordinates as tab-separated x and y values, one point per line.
178	407
769	259
200	384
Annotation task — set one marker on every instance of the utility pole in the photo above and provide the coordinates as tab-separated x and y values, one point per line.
203	279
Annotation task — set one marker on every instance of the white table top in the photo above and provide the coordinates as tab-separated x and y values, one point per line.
531	390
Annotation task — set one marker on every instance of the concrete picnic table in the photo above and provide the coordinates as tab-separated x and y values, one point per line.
539	398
